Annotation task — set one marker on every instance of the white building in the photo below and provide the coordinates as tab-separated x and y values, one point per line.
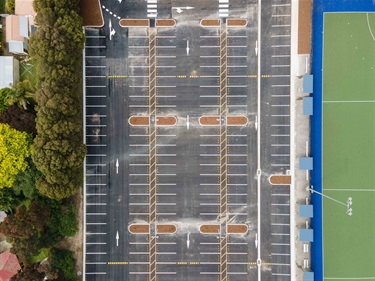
9	71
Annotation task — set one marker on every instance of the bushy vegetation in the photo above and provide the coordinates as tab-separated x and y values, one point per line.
14	150
63	261
10	6
57	48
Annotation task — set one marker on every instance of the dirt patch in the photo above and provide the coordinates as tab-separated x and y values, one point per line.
166	228
236	22
165	23
304	26
209	120
91	13
237	228
280	179
75	243
139	228
207	22
210	228
166	121
236	120
139	121
134	22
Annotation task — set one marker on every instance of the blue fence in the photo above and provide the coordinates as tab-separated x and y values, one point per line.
319	8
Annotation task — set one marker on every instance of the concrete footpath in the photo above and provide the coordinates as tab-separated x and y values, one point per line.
300	133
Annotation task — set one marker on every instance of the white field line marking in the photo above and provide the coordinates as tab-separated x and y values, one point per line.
348	101
359	190
369	27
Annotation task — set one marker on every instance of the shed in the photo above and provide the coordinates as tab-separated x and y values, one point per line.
306	235
308	276
308	106
9	71
308	81
306	211
305	163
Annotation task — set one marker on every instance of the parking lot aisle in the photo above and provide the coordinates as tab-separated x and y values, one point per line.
95	162
275	151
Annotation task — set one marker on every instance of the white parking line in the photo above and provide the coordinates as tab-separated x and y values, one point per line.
282	234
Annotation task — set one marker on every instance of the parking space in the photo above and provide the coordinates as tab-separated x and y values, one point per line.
276	117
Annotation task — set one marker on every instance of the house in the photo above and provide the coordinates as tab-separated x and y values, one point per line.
9	71
19	27
9	266
17	34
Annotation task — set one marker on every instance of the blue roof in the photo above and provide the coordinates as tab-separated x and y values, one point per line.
305	163
306	235
308	276
308	106
308	81
306	211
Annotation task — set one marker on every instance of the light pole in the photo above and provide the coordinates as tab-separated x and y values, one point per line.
349	202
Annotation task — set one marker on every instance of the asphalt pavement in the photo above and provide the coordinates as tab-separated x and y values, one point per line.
117	75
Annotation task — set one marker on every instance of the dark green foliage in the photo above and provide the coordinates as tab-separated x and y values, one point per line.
3	99
24	248
8	200
57	47
19	119
24	185
29	273
64	262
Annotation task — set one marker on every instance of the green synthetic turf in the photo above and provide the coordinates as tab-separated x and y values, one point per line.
349	145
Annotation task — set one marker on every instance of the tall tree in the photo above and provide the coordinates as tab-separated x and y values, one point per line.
14	149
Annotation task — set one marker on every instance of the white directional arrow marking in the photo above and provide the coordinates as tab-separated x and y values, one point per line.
180	9
120	1
187	47
188	241
187	122
256	240
117	238
117	165
111	31
256	48
256	122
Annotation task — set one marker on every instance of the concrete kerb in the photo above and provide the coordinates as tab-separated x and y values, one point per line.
133	225
84	163
210	23
216	229
210	118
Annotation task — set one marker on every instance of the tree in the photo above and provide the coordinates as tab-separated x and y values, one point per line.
8	200
26	223
19	119
14	149
24	185
64	262
29	273
20	94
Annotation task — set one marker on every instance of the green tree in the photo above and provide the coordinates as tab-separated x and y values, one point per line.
8	200
14	149
29	273
20	94
64	262
10	6
24	185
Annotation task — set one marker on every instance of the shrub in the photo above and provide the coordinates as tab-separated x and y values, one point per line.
10	6
64	262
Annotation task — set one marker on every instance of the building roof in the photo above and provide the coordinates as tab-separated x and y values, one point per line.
308	84
308	106
13	28
308	276
6	71
306	235
24	7
306	211
9	266
17	47
306	163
